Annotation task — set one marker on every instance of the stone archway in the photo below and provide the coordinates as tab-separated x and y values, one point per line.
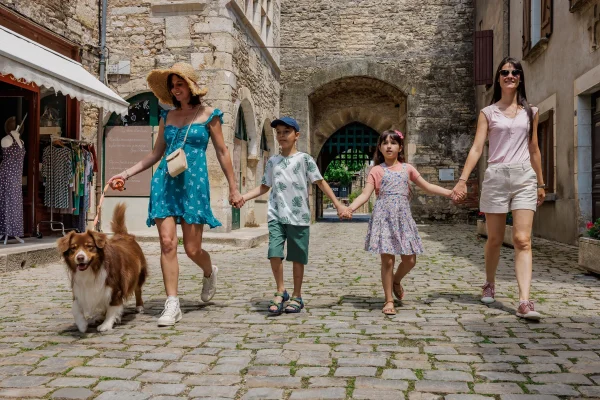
353	145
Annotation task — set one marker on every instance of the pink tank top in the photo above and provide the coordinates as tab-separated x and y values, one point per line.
508	137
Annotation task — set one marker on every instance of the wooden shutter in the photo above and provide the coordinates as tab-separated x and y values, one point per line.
526	27
484	57
546	144
546	28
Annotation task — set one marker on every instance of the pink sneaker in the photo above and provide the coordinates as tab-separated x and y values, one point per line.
489	291
527	311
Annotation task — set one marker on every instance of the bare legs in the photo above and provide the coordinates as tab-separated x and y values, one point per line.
522	224
277	268
389	278
192	242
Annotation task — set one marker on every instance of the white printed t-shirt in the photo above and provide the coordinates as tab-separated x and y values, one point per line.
288	178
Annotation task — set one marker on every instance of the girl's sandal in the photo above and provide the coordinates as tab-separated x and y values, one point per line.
398	290
295	305
389	310
274	303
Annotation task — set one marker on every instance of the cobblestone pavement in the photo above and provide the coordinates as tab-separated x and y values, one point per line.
442	344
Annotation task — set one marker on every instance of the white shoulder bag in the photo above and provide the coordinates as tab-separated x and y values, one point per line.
177	161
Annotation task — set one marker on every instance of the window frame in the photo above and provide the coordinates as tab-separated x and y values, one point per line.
546	12
546	145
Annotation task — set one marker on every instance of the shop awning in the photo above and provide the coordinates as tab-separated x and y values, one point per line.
28	60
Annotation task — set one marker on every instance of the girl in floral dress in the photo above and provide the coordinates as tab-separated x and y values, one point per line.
392	230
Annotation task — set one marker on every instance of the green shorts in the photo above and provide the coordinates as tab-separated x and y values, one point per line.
297	241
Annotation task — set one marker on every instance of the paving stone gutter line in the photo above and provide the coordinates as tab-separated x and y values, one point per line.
37	254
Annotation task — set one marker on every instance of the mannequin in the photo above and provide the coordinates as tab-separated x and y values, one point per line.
11	170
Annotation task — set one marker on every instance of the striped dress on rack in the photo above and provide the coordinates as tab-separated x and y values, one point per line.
57	176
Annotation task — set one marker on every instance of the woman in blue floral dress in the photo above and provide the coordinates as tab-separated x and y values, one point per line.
185	198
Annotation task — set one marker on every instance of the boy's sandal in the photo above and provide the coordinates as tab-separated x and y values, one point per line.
284	297
389	310
295	305
398	290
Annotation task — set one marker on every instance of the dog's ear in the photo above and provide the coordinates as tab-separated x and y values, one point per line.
64	242
99	238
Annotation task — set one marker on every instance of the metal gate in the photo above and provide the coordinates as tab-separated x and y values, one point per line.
354	143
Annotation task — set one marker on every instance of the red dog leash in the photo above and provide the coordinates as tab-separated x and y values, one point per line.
117	184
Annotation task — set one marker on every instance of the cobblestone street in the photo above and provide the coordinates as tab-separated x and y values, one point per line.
442	344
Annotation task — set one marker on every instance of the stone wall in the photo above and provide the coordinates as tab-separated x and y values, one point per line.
78	22
221	43
422	50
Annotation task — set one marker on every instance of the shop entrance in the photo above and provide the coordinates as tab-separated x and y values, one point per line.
18	100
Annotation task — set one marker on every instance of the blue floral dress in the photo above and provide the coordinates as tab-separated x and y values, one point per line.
186	196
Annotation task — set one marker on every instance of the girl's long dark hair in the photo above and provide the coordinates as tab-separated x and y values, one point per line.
194	99
395	136
521	95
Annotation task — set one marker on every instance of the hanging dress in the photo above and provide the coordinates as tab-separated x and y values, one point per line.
11	192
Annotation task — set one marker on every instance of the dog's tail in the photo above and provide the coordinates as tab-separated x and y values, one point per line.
118	222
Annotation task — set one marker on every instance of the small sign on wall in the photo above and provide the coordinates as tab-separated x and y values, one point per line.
446	174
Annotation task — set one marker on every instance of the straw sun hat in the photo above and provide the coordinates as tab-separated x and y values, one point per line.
157	80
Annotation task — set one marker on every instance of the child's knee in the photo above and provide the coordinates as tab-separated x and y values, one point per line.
409	261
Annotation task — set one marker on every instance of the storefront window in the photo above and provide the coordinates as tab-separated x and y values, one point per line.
144	110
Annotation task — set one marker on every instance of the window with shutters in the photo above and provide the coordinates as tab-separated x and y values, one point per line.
546	145
537	23
484	57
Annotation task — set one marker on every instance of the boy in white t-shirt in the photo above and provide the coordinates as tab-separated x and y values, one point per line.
289	174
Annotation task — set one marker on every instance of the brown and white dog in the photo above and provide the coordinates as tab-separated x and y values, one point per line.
104	272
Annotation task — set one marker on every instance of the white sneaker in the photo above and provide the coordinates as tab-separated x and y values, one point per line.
171	314
209	285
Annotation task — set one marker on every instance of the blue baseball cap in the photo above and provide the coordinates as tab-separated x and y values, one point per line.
288	121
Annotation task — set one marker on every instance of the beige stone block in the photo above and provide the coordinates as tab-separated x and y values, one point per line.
213	60
178	32
226	78
220	92
167	8
222	41
164	60
127	10
214	25
86	15
589	254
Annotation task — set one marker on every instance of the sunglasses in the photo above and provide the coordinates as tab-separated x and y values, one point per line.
514	72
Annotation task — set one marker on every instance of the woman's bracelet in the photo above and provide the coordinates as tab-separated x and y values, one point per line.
126	172
462	179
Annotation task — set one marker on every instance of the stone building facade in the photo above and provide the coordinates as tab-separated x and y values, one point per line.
75	22
562	70
393	64
232	45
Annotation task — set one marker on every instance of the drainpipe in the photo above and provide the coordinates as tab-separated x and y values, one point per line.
100	133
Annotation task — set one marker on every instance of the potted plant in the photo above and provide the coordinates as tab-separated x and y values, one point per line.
589	247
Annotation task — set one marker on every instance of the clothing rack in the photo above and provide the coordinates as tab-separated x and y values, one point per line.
52	222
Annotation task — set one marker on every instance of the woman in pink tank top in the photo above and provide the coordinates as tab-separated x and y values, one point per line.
513	180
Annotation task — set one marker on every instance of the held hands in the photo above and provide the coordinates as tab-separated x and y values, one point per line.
344	212
236	199
459	193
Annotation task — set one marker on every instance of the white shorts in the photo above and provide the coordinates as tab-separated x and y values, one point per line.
508	187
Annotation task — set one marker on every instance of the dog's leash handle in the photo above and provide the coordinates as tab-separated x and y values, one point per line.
117	184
